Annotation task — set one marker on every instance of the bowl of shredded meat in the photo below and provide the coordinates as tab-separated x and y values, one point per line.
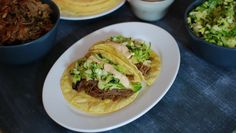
28	29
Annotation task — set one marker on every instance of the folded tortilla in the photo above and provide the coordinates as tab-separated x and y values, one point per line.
155	66
92	105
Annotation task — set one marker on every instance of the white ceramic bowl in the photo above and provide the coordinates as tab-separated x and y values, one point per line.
150	11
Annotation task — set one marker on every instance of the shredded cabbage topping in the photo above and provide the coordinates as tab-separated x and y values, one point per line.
140	50
90	70
215	22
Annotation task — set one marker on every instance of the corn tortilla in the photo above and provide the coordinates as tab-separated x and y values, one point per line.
150	77
81	8
89	104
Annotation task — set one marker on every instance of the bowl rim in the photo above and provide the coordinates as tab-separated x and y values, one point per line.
189	9
50	3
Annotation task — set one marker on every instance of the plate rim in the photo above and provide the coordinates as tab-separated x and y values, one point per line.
72	18
143	111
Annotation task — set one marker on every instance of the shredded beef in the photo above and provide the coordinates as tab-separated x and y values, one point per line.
23	20
91	88
143	68
130	77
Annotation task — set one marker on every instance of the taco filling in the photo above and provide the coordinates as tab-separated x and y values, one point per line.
101	78
137	51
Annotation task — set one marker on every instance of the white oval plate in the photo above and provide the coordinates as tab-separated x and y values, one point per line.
66	17
162	43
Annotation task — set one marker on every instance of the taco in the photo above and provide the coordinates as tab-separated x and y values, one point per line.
135	52
100	83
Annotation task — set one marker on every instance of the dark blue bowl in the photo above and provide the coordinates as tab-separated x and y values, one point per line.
218	55
31	51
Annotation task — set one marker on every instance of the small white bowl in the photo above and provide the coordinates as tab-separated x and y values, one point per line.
150	11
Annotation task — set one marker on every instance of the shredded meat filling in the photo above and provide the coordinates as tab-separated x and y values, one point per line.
23	20
91	88
143	68
130	77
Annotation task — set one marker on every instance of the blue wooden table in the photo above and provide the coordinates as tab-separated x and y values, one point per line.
201	100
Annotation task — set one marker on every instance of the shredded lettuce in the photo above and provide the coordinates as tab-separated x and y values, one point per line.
121	39
120	68
76	75
76	71
214	21
103	59
139	49
136	86
110	82
91	70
